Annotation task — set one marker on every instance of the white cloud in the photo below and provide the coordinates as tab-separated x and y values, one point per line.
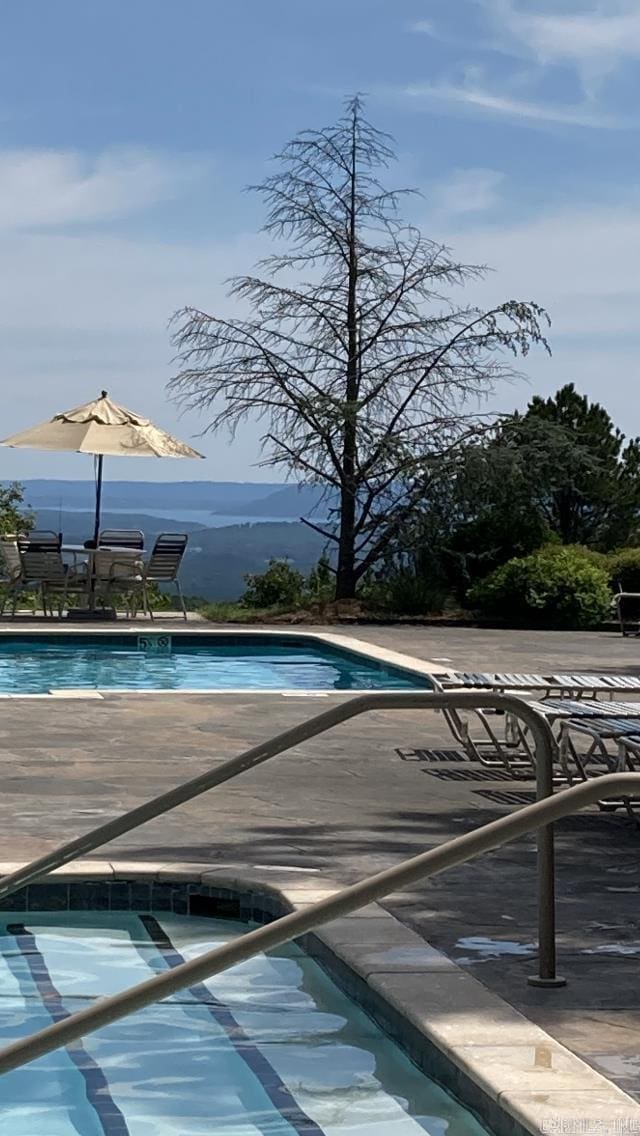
595	39
581	264
466	191
44	188
473	96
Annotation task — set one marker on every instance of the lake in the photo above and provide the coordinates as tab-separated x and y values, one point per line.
194	516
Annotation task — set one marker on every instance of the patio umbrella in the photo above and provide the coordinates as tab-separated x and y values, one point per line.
102	428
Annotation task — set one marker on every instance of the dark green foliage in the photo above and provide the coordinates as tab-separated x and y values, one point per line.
491	515
14	517
561	472
403	591
624	569
279	586
555	587
585	481
321	584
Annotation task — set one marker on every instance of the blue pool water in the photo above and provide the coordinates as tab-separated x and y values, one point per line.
35	664
269	1048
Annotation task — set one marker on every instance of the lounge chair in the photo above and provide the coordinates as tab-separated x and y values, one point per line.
578	684
486	746
613	747
503	740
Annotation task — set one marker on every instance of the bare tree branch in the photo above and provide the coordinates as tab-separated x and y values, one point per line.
367	372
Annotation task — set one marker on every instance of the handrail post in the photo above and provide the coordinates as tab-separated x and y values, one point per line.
546	882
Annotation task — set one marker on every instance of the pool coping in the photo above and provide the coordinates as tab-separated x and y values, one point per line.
418	668
514	1076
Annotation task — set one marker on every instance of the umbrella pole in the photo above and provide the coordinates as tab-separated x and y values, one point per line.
96	529
96	534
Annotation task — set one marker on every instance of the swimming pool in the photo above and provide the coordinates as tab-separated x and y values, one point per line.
271	1047
35	664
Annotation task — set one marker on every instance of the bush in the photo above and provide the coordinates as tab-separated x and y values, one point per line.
404	592
14	518
598	559
279	586
556	587
320	588
624	569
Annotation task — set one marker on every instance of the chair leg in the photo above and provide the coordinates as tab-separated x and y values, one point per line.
146	606
181	598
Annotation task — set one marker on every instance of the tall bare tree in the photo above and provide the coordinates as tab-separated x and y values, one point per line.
364	369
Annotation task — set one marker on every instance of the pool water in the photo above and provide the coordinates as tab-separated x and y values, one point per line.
269	1048
37	664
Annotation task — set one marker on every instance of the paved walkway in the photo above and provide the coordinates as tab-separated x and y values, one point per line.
347	804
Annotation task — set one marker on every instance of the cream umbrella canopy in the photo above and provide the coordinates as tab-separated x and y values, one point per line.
102	428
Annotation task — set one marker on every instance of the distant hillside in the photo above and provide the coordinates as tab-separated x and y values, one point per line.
232	496
287	501
217	560
76	527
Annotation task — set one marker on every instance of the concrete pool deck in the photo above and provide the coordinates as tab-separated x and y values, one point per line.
354	801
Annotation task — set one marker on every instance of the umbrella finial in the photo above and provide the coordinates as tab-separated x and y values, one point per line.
104	394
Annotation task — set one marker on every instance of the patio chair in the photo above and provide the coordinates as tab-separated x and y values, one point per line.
162	567
116	574
627	608
164	564
46	537
10	572
121	538
43	569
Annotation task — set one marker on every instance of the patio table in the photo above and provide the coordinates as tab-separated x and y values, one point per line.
89	554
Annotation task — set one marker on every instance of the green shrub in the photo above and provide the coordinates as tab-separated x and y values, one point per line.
279	586
320	587
556	587
624	569
598	559
404	592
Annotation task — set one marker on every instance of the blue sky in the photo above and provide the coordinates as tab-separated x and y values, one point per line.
130	130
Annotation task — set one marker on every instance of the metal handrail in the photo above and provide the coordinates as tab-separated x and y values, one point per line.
544	746
545	749
350	899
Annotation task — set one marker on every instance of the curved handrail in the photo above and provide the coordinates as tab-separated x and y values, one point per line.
362	704
249	759
457	851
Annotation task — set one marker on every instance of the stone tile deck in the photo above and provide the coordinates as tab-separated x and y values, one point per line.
348	804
